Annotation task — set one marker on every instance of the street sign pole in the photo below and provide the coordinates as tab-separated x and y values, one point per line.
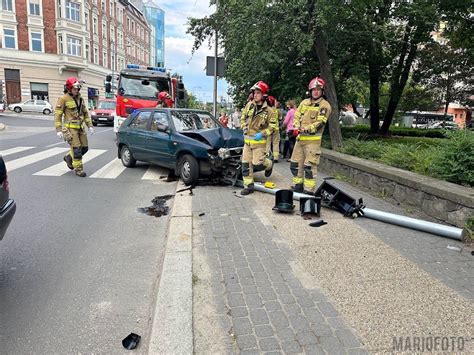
215	78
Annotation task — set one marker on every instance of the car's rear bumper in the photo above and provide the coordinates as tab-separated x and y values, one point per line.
6	215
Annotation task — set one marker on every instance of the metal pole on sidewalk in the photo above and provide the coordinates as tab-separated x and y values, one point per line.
215	78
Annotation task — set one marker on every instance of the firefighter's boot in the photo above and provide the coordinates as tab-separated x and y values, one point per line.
297	188
248	190
81	173
68	159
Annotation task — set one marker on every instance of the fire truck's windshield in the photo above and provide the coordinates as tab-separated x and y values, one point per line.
145	88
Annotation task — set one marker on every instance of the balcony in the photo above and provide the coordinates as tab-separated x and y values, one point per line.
71	62
70	26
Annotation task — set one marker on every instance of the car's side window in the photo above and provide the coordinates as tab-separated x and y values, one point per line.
30	102
160	119
142	120
39	102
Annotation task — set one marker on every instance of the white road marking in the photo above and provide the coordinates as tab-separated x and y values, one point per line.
110	171
154	172
61	168
14	150
33	158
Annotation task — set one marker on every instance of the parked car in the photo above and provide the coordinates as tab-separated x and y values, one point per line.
190	142
444	125
7	205
32	106
104	113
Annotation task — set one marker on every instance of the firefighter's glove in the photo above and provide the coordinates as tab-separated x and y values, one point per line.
258	136
296	132
60	135
91	131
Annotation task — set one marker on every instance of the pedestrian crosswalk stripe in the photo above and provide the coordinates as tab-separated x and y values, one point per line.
110	171
154	172
14	150
61	168
33	158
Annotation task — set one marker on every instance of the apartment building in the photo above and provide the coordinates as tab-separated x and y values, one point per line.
42	42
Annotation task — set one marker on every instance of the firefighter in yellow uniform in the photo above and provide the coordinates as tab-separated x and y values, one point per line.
71	117
309	121
258	122
273	142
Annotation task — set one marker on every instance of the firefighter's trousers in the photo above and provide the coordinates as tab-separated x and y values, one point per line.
79	146
254	159
273	144
304	162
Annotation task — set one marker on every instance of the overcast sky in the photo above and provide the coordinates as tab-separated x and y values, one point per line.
178	47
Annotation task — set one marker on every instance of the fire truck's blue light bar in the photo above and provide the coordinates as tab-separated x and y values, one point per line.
136	66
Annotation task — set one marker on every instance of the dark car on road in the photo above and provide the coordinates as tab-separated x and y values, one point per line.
190	142
7	205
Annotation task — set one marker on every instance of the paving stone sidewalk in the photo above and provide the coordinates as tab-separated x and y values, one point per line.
429	252
261	304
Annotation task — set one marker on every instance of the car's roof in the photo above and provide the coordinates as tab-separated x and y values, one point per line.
173	109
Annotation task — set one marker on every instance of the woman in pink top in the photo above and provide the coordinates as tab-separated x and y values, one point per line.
288	124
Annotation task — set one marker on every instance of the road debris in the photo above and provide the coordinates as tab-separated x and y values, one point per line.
131	341
159	207
318	223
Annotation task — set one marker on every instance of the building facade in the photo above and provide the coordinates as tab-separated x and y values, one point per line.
43	42
156	19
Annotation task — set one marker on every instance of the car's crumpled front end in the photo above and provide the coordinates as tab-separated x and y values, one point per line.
227	162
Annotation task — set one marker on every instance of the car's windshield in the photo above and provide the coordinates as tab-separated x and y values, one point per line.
142	87
106	105
191	120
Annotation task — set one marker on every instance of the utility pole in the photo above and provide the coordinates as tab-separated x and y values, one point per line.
215	78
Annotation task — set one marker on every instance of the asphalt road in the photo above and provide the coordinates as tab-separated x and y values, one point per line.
79	265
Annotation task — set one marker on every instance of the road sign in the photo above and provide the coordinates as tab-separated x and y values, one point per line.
210	66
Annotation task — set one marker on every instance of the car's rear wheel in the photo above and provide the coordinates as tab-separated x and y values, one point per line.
127	158
188	169
46	111
17	109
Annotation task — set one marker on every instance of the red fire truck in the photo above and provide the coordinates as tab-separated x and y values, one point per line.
138	87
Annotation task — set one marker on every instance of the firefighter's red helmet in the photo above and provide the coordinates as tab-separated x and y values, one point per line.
271	101
72	82
315	82
163	96
262	87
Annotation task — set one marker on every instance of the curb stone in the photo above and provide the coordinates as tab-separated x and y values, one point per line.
172	328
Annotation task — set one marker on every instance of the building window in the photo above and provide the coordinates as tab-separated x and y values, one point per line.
133	27
103	6
73	11
34	8
104	59
74	46
87	52
96	55
113	63
111	9
128	24
60	41
96	28
86	20
7	5
104	30
36	42
9	38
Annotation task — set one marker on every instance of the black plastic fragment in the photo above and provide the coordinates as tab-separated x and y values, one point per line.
335	198
131	341
201	214
318	223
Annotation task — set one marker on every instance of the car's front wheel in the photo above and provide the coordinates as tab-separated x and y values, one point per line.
127	158
17	109
46	111
94	123
188	169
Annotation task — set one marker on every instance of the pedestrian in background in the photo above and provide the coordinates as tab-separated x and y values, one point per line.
235	119
290	141
224	119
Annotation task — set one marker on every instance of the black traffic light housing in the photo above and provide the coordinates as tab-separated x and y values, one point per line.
108	84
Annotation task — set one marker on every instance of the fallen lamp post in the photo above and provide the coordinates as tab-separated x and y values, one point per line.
333	197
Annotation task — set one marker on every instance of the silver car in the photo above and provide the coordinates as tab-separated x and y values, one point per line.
32	106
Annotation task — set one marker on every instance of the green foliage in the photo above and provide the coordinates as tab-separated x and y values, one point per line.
450	159
354	131
456	159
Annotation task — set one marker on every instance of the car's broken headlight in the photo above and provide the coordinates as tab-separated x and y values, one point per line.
223	153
